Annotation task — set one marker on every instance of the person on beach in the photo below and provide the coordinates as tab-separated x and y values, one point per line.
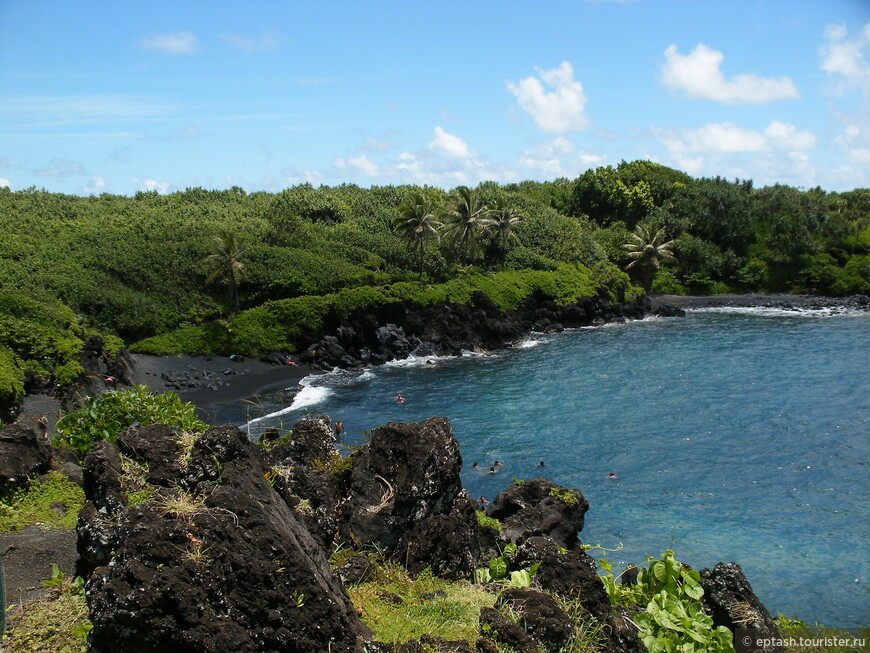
400	399
339	428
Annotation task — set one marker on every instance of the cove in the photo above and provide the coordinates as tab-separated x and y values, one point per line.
736	435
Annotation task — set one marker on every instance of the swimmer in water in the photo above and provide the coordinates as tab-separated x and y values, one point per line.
612	476
400	399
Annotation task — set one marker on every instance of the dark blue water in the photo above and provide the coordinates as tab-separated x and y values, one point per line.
736	436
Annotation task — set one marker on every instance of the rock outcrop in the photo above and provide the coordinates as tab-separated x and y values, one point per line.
729	599
393	331
24	453
540	507
217	562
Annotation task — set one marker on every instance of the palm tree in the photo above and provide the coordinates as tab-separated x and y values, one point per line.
227	265
647	249
417	223
501	219
465	217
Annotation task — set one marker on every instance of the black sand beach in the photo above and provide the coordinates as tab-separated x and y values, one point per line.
210	382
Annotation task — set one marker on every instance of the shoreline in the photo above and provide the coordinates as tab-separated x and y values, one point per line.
213	382
210	382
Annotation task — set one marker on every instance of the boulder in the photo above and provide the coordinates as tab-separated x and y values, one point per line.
448	545
312	441
540	507
229	568
406	473
729	599
540	616
24	453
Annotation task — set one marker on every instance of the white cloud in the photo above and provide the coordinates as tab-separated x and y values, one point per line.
698	75
558	111
269	41
728	138
365	166
855	142
782	136
162	187
296	175
181	42
60	169
557	158
5	183
450	145
96	185
845	57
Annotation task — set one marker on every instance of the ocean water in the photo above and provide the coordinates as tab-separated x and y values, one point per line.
736	435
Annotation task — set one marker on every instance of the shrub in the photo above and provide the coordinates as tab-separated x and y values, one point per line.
674	619
104	417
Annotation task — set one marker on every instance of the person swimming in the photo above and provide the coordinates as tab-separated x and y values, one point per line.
475	466
497	464
612	476
400	399
492	470
541	464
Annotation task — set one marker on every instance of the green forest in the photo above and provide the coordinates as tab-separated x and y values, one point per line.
202	271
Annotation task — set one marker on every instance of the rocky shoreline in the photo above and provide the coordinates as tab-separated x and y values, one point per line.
374	499
230	552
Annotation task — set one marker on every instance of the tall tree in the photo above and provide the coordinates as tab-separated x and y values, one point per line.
501	219
646	249
464	217
226	264
417	223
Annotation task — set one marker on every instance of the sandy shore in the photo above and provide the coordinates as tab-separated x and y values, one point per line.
214	382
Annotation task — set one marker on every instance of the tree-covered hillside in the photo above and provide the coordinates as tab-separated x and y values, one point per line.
147	265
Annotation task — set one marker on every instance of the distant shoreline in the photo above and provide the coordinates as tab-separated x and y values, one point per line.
757	300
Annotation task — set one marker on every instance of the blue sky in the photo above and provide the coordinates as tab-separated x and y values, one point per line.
120	96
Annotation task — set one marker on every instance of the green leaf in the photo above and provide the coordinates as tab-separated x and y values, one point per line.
604	563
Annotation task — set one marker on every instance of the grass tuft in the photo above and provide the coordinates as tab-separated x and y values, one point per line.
53	504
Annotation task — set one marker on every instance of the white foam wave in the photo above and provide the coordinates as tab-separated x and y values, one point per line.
528	343
417	361
308	395
772	311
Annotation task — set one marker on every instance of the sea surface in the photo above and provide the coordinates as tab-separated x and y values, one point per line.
735	434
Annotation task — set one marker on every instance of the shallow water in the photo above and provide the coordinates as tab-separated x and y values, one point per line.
736	435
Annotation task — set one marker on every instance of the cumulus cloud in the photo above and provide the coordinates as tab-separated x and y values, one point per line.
296	175
5	183
180	42
362	163
559	110
557	158
162	187
728	138
845	57
269	41
96	185
698	75
61	169
855	142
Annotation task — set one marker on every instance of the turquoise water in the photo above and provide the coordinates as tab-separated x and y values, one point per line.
736	435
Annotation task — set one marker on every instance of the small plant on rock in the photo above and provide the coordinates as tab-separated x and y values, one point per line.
673	619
